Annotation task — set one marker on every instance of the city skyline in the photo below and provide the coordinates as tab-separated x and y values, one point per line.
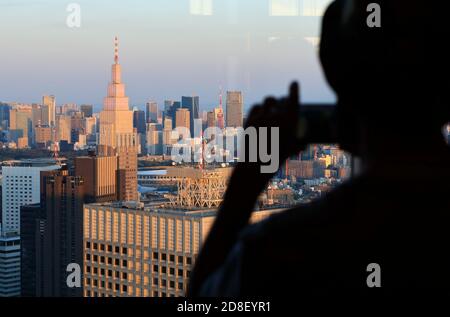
244	47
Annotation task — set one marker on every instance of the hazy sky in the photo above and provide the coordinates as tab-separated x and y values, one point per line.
168	48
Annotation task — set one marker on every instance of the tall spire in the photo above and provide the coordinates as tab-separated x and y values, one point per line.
116	50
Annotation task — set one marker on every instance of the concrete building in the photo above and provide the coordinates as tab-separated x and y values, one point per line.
142	252
21	120
48	110
154	139
211	121
182	119
86	110
36	115
89	125
99	175
63	230
193	105
139	122
43	135
235	108
53	237
21	186
117	135
9	265
151	114
4	115
32	226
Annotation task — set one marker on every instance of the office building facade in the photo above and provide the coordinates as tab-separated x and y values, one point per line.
235	108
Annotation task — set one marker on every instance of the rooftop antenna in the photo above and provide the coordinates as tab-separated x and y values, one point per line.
116	50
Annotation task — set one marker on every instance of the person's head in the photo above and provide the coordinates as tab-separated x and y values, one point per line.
392	79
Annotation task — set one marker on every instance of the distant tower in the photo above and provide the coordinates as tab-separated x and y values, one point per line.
220	120
117	135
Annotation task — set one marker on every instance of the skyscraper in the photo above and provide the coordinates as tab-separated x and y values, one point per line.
139	121
53	235
235	105
99	175
86	110
48	110
62	203
4	115
9	265
31	243
193	105
182	119
151	112
117	135
170	109
154	139
211	119
20	186
43	136
21	121
167	134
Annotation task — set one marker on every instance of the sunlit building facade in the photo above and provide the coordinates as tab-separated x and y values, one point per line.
142	252
117	135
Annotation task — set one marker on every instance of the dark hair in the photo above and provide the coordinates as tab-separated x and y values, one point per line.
398	72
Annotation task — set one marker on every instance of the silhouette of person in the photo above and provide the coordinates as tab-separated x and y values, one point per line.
392	88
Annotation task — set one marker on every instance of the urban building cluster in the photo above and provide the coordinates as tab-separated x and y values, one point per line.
119	206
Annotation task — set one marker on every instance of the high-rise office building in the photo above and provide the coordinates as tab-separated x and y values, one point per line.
182	119
43	135
63	128
117	135
151	112
9	265
32	226
69	108
170	109
4	116
154	139
235	107
142	252
168	104
21	186
62	202
167	132
139	121
53	236
211	119
89	125
77	121
21	121
48	110
193	105
99	175
86	110
36	116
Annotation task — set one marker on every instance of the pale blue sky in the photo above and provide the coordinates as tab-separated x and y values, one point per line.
168	48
